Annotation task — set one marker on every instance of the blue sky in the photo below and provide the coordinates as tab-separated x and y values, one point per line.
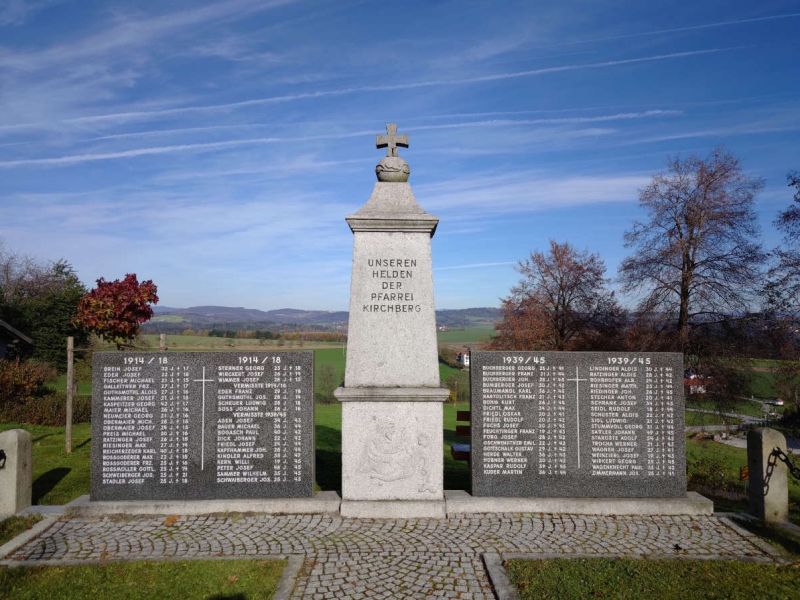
216	147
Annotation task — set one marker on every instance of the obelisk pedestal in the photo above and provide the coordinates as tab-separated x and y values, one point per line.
392	429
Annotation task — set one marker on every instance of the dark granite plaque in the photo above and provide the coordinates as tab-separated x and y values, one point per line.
585	424
200	425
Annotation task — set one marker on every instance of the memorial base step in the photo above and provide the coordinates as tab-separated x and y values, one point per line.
460	502
394	509
319	503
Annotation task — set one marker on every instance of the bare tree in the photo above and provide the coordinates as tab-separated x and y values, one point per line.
561	303
783	287
697	256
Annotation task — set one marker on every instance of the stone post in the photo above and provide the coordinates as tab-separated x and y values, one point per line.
768	487
16	474
392	402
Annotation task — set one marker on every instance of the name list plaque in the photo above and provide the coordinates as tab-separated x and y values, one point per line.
585	424
202	425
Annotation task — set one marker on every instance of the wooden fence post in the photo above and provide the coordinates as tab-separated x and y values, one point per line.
162	342
70	392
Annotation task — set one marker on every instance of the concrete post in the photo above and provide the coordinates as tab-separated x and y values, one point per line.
16	475
162	342
768	488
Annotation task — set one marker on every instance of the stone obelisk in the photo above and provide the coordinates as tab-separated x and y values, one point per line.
392	444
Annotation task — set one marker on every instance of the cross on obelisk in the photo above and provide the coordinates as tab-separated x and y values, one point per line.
577	381
203	422
391	141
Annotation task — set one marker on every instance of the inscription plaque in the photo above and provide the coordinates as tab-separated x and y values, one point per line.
201	425
586	424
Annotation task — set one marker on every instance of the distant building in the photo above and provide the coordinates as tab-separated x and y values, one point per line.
13	342
463	358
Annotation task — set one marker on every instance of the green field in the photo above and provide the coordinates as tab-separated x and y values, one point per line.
177	343
694	419
632	579
466	335
232	579
742	407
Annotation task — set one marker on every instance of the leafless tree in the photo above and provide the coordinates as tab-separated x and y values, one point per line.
561	303
697	256
783	287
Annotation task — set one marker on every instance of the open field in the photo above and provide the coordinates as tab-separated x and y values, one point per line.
633	579
197	343
694	419
251	579
466	335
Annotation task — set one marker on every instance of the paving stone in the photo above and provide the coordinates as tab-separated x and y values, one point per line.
406	558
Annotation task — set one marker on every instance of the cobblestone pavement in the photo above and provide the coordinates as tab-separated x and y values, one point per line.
399	558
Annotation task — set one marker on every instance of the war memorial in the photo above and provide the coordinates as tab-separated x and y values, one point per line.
569	453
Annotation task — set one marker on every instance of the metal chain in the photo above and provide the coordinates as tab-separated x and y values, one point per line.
781	455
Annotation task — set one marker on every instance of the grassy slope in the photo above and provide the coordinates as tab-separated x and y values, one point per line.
58	477
695	419
251	579
466	335
635	579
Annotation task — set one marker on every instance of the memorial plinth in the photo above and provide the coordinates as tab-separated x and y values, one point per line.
391	399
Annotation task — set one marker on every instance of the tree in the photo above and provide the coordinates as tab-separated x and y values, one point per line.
41	300
114	310
783	287
696	256
561	303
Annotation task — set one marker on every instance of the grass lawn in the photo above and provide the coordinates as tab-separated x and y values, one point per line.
251	579
722	463
635	579
58	477
13	526
742	407
697	419
178	343
466	335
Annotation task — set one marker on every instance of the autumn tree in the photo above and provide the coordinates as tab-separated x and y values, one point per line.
696	256
114	310
561	303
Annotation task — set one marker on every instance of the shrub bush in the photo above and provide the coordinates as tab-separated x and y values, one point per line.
50	409
21	380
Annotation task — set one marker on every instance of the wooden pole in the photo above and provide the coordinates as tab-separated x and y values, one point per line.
70	392
162	342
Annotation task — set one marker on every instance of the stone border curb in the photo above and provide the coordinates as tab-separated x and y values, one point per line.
502	586
729	519
326	502
26	536
289	578
461	502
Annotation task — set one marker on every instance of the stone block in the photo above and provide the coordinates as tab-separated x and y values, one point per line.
392	450
16	474
768	488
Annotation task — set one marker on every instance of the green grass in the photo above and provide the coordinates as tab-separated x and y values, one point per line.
699	419
178	343
59	384
668	579
13	526
724	462
466	335
742	407
232	579
58	477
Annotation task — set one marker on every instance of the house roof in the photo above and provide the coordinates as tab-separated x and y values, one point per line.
15	332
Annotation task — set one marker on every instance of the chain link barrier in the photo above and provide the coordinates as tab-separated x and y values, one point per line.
774	456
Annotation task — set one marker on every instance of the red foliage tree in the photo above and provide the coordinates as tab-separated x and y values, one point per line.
115	309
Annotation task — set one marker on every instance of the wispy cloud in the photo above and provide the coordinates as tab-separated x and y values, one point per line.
226	144
209	108
700	26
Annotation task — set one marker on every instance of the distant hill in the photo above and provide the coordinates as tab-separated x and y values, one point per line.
168	319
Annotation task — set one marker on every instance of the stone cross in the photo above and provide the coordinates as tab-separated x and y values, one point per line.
577	381
391	141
